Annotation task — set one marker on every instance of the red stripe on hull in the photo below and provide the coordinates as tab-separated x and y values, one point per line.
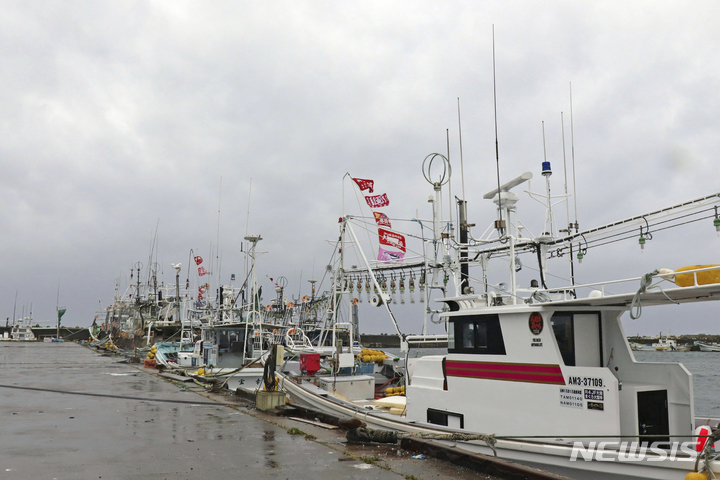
512	372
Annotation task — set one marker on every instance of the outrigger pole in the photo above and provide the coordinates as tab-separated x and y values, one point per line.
385	297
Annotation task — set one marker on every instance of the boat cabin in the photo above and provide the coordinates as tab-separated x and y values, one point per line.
227	346
551	369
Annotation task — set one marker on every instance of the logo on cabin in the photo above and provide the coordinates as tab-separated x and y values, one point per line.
535	323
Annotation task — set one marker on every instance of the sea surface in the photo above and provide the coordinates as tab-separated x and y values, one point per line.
704	366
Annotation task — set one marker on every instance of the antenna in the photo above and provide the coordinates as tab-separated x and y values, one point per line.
567	204
462	170
572	150
450	204
217	252
247	220
500	226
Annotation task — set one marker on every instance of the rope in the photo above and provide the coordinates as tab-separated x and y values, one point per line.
489	440
636	306
366	435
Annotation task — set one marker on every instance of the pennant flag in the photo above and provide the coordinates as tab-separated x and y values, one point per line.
198	260
364	184
377	201
382	219
391	239
386	256
202	271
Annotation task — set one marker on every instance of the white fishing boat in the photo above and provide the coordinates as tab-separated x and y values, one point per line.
708	347
665	344
542	375
22	330
640	347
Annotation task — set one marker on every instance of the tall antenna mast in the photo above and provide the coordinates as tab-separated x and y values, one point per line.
572	150
450	202
500	225
462	170
217	252
567	202
247	219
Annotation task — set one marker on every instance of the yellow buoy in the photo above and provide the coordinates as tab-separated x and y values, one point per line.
703	278
696	476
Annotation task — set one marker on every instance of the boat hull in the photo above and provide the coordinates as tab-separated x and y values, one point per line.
553	457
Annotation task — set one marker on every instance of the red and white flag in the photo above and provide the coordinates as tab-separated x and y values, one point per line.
382	219
202	271
387	256
198	260
377	201
364	184
391	239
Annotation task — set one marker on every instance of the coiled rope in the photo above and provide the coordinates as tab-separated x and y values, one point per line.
636	307
364	435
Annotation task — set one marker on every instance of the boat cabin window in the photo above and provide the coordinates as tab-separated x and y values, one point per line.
446	419
479	334
579	338
562	324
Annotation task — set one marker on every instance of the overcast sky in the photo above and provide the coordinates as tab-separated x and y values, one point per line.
117	117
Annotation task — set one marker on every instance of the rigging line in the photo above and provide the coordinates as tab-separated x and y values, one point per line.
630	234
571	238
657	230
372	226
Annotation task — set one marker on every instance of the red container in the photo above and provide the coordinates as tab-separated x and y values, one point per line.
309	363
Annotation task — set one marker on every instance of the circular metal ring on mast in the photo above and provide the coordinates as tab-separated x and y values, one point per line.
446	171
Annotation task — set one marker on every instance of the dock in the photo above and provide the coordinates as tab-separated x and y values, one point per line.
69	412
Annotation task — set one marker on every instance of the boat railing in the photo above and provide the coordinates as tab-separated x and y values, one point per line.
668	276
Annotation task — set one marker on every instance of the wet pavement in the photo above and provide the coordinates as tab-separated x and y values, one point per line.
67	412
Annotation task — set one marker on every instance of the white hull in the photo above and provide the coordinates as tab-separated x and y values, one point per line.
548	456
709	348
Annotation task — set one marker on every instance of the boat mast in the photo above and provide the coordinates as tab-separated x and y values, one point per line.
57	311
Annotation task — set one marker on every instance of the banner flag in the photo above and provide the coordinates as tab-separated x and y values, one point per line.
202	271
377	201
382	219
198	260
364	184
391	239
386	256
60	312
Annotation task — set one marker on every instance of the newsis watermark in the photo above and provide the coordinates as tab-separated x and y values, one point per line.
634	452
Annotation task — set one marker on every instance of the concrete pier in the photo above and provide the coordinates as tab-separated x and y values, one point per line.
66	412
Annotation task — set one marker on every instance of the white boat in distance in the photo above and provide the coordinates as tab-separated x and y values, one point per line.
22	331
708	347
541	375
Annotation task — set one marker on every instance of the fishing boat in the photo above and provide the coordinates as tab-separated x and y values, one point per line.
638	347
22	330
665	344
542	375
708	347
